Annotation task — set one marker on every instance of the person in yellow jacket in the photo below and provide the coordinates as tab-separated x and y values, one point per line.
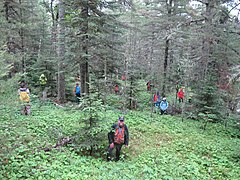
24	95
43	82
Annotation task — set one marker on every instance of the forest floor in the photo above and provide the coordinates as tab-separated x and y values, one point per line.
161	147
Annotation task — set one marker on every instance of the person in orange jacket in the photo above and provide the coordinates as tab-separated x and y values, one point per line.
117	137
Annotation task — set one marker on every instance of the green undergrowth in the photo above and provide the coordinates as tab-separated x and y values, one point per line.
161	147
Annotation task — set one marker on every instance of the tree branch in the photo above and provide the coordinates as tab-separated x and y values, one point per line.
238	53
236	5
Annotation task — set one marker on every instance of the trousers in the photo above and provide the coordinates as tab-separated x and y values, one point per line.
118	150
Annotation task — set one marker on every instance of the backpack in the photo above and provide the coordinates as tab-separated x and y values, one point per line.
77	90
119	136
24	95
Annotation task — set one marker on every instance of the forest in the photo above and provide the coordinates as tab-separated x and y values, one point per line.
165	72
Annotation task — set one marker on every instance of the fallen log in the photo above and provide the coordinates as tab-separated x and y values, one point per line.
63	142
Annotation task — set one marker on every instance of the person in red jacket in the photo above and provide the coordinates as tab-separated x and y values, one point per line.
148	86
180	95
116	89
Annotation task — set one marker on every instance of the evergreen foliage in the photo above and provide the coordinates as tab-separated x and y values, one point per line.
95	43
92	135
209	103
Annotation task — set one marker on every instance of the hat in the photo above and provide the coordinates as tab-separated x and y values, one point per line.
121	118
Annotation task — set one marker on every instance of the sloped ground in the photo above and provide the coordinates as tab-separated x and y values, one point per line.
161	147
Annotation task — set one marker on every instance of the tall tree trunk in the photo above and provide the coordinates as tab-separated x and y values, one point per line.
125	83
84	76
105	82
23	63
54	30
61	53
84	60
54	38
6	5
207	61
151	58
165	67
169	4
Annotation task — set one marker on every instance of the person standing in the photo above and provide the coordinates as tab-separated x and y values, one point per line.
116	89
77	92
43	80
163	106
180	95
24	95
43	83
156	101
117	137
148	86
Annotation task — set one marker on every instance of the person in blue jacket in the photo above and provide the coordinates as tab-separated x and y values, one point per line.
77	92
163	106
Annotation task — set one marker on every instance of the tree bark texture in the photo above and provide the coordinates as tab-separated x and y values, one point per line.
84	59
21	33
61	58
207	62
169	4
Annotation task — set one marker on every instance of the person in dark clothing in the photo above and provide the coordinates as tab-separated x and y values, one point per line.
118	137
